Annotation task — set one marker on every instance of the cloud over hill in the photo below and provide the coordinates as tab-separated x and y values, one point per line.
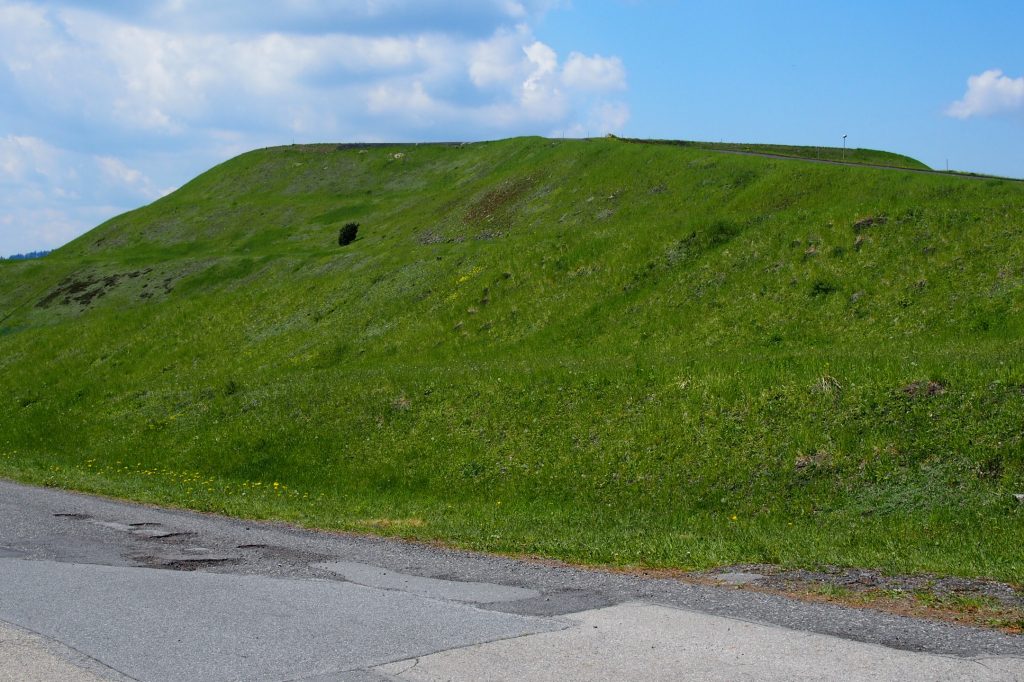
989	93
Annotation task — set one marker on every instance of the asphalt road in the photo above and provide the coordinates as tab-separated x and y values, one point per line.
93	589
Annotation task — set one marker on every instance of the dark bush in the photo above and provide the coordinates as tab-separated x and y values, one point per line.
347	234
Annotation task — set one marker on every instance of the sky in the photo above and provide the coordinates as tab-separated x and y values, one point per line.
108	105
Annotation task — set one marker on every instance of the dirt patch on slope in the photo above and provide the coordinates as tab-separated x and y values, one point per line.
84	289
497	204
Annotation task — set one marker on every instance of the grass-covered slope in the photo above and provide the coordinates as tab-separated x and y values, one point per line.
594	350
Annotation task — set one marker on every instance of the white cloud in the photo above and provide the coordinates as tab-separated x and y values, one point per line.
119	171
121	174
412	100
21	154
498	60
609	117
169	82
989	93
151	79
544	61
539	88
539	96
595	73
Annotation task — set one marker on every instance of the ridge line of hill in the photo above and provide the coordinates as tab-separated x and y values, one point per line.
792	157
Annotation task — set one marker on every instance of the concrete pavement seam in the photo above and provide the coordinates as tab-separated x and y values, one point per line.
71	655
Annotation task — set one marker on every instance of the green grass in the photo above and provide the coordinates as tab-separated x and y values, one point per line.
871	157
833	592
592	350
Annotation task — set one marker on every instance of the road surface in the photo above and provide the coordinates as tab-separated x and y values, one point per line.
93	589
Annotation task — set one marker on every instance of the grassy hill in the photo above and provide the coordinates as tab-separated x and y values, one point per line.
594	350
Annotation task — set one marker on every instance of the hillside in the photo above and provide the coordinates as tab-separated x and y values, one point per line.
593	350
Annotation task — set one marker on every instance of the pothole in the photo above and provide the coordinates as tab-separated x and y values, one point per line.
168	536
187	564
178	562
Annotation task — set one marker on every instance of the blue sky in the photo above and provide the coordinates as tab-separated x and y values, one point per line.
105	106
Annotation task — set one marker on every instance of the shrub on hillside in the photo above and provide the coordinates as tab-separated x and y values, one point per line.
347	234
